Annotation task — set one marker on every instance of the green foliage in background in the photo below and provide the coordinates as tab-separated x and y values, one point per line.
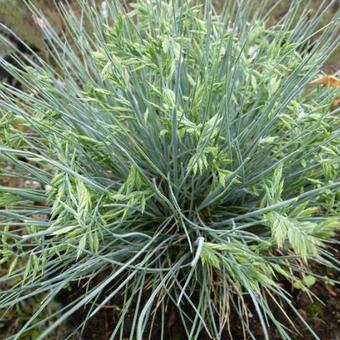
14	15
178	156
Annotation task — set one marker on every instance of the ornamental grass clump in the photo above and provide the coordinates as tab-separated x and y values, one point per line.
171	155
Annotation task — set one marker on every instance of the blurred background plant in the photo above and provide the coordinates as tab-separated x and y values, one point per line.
14	14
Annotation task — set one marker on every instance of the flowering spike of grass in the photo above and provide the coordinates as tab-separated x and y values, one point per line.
172	154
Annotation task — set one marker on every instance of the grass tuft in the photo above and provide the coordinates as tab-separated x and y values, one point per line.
172	154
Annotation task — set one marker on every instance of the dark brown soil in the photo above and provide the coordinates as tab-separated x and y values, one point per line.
322	313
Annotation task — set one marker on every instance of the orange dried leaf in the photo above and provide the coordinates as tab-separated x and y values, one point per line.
336	102
330	290
332	81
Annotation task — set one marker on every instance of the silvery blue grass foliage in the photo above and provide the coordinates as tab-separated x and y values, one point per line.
171	154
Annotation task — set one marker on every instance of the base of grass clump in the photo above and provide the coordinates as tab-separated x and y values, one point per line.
321	311
187	175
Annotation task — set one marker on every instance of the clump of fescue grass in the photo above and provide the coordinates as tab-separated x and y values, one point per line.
177	150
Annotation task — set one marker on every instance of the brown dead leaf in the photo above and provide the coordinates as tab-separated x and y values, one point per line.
336	102
332	81
331	291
